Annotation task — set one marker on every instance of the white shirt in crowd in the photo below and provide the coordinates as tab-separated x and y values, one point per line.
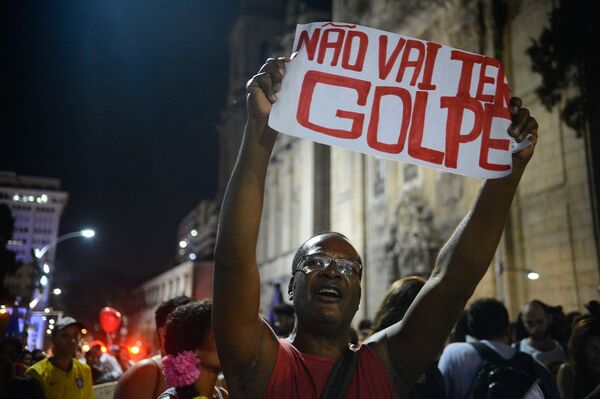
551	359
460	363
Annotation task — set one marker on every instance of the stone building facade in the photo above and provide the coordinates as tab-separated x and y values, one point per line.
398	215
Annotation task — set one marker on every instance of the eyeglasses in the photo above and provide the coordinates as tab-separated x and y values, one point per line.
346	267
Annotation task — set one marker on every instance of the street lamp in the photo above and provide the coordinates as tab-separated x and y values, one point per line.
85	233
43	282
40	253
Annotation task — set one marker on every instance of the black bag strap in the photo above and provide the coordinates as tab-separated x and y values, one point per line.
340	376
486	352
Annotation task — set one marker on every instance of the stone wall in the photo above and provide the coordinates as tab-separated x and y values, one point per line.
550	227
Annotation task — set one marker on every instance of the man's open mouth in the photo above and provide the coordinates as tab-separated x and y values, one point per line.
329	293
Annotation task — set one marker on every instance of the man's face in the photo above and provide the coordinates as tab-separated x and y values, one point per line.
66	341
327	297
536	321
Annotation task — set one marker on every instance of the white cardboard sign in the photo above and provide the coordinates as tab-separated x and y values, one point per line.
396	97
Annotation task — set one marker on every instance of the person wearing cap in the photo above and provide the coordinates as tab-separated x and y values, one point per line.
62	376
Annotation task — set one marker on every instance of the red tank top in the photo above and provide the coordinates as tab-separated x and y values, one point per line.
300	376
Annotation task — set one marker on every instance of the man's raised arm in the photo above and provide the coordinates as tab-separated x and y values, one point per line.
247	346
413	343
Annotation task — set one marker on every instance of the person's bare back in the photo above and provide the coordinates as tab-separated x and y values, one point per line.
144	380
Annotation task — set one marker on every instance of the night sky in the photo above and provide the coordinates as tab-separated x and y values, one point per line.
119	100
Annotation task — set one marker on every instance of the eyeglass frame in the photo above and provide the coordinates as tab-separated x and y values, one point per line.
300	267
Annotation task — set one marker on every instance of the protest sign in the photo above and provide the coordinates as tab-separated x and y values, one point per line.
396	97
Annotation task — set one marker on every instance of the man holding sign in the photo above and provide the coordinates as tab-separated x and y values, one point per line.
325	284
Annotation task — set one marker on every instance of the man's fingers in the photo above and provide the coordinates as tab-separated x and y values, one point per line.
276	68
531	127
515	105
518	123
269	78
266	84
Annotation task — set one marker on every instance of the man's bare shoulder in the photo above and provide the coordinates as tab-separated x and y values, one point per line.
139	378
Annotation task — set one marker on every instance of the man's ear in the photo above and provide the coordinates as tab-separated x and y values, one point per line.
291	288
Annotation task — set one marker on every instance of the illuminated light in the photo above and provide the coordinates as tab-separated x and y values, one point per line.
47	310
103	349
192	256
88	233
194	232
533	275
16	197
44	198
38	253
51	326
51	321
134	349
48	332
83	331
85	347
34	302
44	318
38	200
46	268
44	281
57	291
3	311
31	198
183	244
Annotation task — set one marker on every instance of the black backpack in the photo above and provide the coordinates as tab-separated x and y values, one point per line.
500	378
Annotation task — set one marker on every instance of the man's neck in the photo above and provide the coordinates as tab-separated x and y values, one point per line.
63	362
333	345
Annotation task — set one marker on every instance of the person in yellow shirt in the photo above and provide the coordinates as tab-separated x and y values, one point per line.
61	376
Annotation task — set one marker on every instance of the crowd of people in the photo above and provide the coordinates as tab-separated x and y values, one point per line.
422	343
545	353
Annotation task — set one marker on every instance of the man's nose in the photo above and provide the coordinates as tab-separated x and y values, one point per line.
332	270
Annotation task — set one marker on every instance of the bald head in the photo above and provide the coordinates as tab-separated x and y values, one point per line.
537	319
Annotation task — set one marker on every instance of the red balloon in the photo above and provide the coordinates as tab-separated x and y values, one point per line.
110	319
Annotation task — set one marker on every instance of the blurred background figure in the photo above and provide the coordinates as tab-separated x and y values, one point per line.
491	367
538	321
145	380
460	332
191	366
395	304
12	349
579	376
122	355
105	366
364	329
22	387
285	318
37	355
61	375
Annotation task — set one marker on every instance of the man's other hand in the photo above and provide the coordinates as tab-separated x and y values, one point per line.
261	90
